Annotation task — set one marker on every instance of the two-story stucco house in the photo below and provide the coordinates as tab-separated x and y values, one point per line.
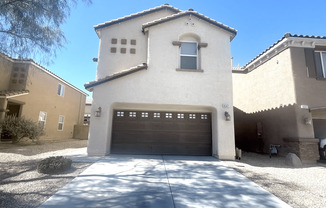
280	97
27	89
163	86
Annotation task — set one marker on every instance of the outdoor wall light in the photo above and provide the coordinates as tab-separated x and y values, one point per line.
98	112
307	121
227	116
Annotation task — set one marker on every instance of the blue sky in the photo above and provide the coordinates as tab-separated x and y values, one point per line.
259	23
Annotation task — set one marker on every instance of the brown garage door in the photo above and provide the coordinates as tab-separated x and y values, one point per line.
167	133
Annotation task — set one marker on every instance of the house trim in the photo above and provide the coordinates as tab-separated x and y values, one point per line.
189	13
32	62
13	93
89	86
287	41
139	14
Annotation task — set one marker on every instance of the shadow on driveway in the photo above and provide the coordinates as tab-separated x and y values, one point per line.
161	181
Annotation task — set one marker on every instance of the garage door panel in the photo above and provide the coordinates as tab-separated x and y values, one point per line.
137	132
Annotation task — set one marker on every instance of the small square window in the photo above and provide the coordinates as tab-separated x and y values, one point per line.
144	114
132	114
123	50
157	115
123	41
113	50
133	42
120	114
168	115
132	50
192	116
203	116
181	115
114	41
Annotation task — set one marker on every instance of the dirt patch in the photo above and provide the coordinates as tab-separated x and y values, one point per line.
299	187
20	183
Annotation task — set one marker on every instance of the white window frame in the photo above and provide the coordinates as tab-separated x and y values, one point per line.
323	65
189	55
61	122
61	90
42	119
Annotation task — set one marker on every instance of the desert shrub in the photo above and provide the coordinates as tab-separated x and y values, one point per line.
20	127
54	165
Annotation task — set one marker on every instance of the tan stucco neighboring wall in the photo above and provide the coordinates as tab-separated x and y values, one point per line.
5	72
309	91
267	87
43	97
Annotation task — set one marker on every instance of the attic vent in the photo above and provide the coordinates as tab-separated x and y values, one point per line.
191	10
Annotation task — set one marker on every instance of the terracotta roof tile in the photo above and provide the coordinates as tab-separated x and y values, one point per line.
286	35
10	93
131	16
190	12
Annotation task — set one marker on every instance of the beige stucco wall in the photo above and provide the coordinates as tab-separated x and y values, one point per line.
5	72
117	62
309	91
267	87
43	97
161	87
273	94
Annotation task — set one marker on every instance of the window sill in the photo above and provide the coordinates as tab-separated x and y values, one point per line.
190	70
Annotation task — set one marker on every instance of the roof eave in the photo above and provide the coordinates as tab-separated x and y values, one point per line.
213	22
90	86
132	16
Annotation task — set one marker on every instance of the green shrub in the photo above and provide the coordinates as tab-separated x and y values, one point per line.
20	127
54	165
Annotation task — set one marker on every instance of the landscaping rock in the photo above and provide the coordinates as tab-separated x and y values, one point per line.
293	160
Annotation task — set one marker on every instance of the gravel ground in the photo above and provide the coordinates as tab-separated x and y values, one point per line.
299	187
22	186
20	183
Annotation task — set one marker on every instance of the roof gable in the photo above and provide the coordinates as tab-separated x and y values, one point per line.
138	14
188	13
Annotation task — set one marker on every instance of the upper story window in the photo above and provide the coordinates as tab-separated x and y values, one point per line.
61	90
188	55
320	60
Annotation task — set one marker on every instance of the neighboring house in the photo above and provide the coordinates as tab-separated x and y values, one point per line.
280	98
88	110
163	86
29	90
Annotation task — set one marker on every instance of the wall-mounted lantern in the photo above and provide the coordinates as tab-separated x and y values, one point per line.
227	116
98	112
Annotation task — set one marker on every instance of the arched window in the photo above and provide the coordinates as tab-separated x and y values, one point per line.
189	45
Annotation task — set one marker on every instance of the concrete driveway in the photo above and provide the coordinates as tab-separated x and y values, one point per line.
161	181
